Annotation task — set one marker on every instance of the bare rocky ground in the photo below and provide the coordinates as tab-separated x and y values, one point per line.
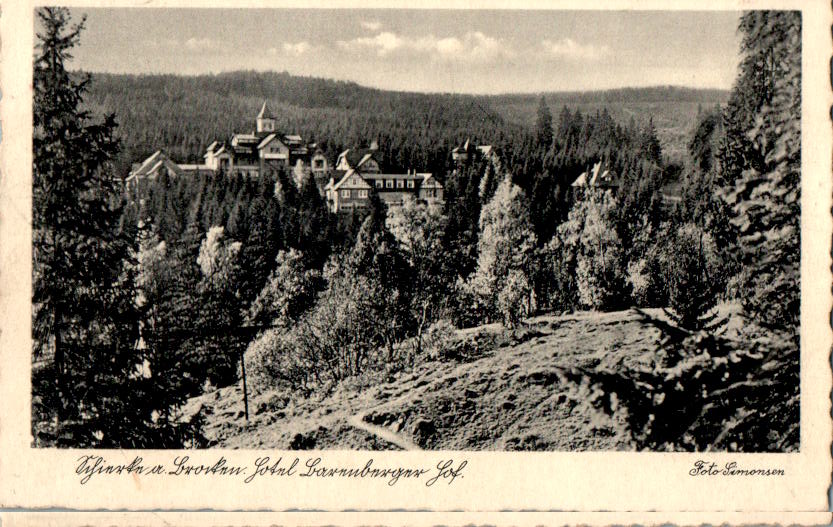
502	395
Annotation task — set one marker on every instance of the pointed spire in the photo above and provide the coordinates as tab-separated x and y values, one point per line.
265	112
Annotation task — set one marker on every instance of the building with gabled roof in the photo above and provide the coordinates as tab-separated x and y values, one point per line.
151	168
469	151
367	160
596	178
351	191
266	149
248	154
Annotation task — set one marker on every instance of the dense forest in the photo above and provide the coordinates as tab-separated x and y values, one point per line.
182	115
207	282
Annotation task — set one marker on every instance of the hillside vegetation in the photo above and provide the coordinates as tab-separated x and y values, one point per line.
489	389
674	110
184	114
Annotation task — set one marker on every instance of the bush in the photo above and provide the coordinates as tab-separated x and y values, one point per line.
700	392
272	362
513	299
438	339
346	333
648	276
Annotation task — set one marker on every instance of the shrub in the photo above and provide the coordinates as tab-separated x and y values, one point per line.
347	332
272	362
513	299
439	338
700	392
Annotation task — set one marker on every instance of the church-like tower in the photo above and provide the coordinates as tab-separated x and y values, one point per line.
265	120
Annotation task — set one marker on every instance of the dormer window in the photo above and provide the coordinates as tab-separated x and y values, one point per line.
380	183
389	183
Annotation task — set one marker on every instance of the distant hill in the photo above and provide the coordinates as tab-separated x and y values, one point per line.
674	109
183	114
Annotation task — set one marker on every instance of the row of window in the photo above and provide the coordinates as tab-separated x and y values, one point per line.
362	194
388	183
345	193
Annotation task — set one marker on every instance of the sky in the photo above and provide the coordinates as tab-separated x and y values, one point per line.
461	51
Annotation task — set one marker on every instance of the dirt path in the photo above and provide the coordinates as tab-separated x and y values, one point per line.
356	421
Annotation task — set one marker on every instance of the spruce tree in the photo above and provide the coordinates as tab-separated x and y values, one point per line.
763	188
85	325
543	124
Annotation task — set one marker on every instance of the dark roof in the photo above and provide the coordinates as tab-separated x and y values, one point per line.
355	155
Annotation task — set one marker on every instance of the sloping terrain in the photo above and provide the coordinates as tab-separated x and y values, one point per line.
501	395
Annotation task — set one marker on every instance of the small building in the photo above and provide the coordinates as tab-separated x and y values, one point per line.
596	178
148	170
470	152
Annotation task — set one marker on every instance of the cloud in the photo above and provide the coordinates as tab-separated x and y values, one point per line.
200	44
472	46
569	49
372	25
382	44
297	48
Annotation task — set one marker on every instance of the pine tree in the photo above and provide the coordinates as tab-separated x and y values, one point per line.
463	212
85	321
695	276
313	223
376	257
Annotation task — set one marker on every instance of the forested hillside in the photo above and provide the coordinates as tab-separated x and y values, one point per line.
184	114
673	109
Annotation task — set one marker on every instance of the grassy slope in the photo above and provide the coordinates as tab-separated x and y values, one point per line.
506	398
